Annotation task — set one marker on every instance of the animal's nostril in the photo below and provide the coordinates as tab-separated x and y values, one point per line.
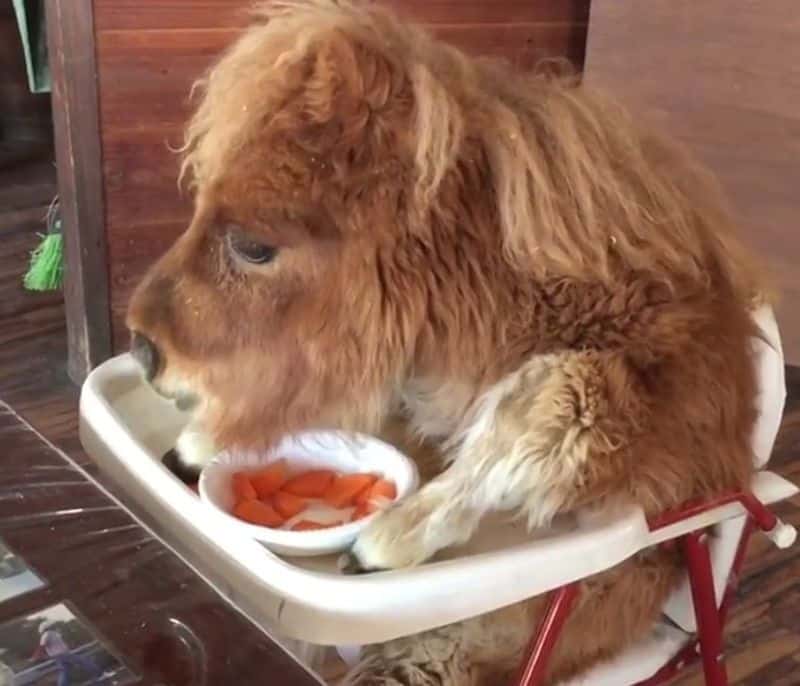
145	353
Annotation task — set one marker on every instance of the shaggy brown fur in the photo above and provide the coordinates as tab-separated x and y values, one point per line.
547	290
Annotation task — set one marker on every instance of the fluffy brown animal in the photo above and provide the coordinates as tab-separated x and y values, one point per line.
548	292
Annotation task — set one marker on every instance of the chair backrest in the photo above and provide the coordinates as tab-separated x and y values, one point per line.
768	358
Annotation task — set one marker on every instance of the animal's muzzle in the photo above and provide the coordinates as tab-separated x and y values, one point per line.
146	354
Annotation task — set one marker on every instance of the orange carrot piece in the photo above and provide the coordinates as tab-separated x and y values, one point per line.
361	511
383	489
242	487
307	525
269	479
257	512
288	505
344	489
380	493
362	497
311	484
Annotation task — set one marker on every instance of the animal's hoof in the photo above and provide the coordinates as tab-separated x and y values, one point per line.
350	564
189	474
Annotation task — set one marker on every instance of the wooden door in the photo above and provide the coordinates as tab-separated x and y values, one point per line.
724	77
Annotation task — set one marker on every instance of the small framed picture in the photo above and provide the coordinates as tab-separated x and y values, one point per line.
55	647
16	577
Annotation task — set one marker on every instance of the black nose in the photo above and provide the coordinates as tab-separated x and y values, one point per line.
145	353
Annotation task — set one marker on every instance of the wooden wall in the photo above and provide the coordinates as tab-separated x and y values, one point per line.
723	76
150	51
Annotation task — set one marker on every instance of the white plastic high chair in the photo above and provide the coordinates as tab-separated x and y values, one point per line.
126	428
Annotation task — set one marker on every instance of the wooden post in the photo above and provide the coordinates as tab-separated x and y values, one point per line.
71	48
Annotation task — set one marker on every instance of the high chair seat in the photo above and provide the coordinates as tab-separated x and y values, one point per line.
125	426
638	662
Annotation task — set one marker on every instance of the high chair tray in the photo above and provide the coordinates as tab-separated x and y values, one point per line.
126	427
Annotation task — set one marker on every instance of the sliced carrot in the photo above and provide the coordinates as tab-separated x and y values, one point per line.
382	489
307	525
361	511
269	479
380	494
362	498
288	505
311	484
344	489
242	487
257	512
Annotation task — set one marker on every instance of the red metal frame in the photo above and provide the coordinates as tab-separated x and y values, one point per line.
710	619
691	652
541	647
764	519
704	599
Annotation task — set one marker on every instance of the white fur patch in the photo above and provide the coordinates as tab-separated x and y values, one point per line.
195	447
524	450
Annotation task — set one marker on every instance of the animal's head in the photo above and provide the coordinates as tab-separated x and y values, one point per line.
312	280
372	209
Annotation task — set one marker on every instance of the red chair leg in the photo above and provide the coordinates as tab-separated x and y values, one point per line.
709	629
541	647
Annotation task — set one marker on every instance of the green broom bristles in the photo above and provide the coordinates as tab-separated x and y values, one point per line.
46	271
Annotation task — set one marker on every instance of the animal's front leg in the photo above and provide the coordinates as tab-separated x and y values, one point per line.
439	515
526	450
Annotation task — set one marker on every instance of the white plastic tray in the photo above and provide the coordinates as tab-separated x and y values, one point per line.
126	427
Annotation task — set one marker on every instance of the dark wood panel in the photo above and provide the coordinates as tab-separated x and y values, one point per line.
114	15
23	115
523	44
27	174
132	249
141	179
722	77
71	52
145	77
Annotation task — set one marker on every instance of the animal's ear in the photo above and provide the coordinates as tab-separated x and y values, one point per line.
353	94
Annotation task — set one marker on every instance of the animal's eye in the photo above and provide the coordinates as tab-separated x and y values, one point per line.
249	249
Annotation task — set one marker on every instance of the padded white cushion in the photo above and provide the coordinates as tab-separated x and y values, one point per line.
638	663
772	386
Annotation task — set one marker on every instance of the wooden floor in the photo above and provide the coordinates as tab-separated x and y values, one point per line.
763	637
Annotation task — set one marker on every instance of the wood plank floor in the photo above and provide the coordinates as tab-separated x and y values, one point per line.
763	637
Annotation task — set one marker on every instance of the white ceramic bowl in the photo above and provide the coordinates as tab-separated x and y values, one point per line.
346	453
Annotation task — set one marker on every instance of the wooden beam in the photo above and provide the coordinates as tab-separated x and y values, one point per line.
71	47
